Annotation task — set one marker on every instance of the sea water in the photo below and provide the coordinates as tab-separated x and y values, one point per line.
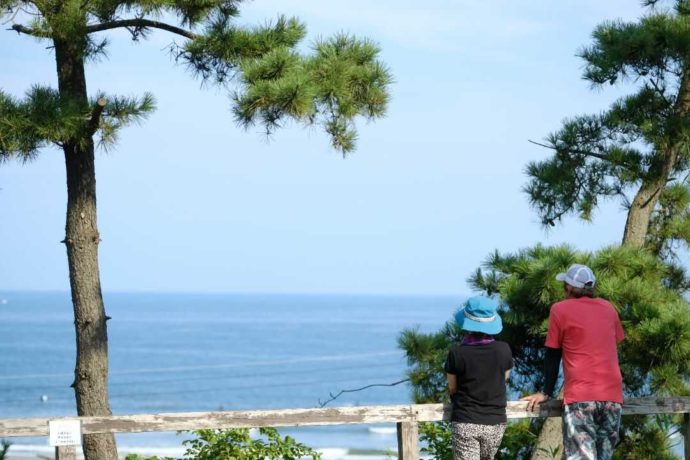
207	352
202	352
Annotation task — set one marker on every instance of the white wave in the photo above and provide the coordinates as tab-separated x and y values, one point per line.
42	449
362	457
334	453
153	370
386	430
149	451
328	453
32	449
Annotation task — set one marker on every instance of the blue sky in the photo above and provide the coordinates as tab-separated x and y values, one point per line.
190	202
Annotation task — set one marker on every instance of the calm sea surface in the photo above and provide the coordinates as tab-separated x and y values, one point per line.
187	352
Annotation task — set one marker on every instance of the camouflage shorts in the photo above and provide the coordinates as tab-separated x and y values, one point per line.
590	430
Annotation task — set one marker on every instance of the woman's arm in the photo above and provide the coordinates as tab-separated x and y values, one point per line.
452	384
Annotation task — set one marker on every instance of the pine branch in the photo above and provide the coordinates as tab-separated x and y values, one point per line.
581	152
588	153
96	115
140	23
333	397
558	215
20	29
660	91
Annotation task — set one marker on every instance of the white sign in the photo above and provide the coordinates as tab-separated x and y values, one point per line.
64	432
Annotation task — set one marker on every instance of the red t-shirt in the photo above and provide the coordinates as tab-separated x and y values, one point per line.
587	331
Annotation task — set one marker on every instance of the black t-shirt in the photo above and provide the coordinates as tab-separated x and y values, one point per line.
480	372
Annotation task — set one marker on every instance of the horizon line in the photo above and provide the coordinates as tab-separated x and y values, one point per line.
267	293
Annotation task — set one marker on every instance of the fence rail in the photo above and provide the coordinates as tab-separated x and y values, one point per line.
406	416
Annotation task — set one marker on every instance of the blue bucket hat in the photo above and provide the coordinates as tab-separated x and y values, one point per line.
479	315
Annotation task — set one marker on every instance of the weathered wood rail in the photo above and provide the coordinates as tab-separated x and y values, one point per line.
406	416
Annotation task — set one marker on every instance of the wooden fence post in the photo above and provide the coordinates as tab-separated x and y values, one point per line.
686	435
408	441
65	453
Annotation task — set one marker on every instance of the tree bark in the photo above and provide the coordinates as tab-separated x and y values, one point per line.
81	240
550	442
640	213
647	197
549	445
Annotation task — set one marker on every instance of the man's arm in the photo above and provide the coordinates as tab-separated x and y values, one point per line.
552	362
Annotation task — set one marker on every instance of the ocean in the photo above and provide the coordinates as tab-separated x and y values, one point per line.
205	352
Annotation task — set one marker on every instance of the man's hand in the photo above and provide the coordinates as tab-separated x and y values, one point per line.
534	400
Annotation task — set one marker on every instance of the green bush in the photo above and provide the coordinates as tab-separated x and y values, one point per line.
436	438
238	445
4	447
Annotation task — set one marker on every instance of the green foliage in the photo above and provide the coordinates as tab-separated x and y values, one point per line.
343	79
654	357
426	354
190	13
437	440
669	228
644	438
217	54
239	445
519	439
642	138
271	81
120	112
43	117
4	448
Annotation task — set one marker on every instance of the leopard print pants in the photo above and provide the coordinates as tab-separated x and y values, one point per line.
476	442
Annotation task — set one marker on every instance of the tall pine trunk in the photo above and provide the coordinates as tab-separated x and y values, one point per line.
647	197
81	240
640	212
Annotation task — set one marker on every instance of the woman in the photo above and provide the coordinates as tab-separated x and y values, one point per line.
477	369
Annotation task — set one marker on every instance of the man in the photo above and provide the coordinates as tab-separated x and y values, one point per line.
584	331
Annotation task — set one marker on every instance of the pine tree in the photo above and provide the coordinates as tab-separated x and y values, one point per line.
640	146
654	357
271	82
638	151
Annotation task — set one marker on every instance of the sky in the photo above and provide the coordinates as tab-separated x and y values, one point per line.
190	202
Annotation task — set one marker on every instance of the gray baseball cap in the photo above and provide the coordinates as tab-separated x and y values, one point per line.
578	276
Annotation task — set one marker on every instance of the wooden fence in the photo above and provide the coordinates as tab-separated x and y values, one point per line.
406	416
